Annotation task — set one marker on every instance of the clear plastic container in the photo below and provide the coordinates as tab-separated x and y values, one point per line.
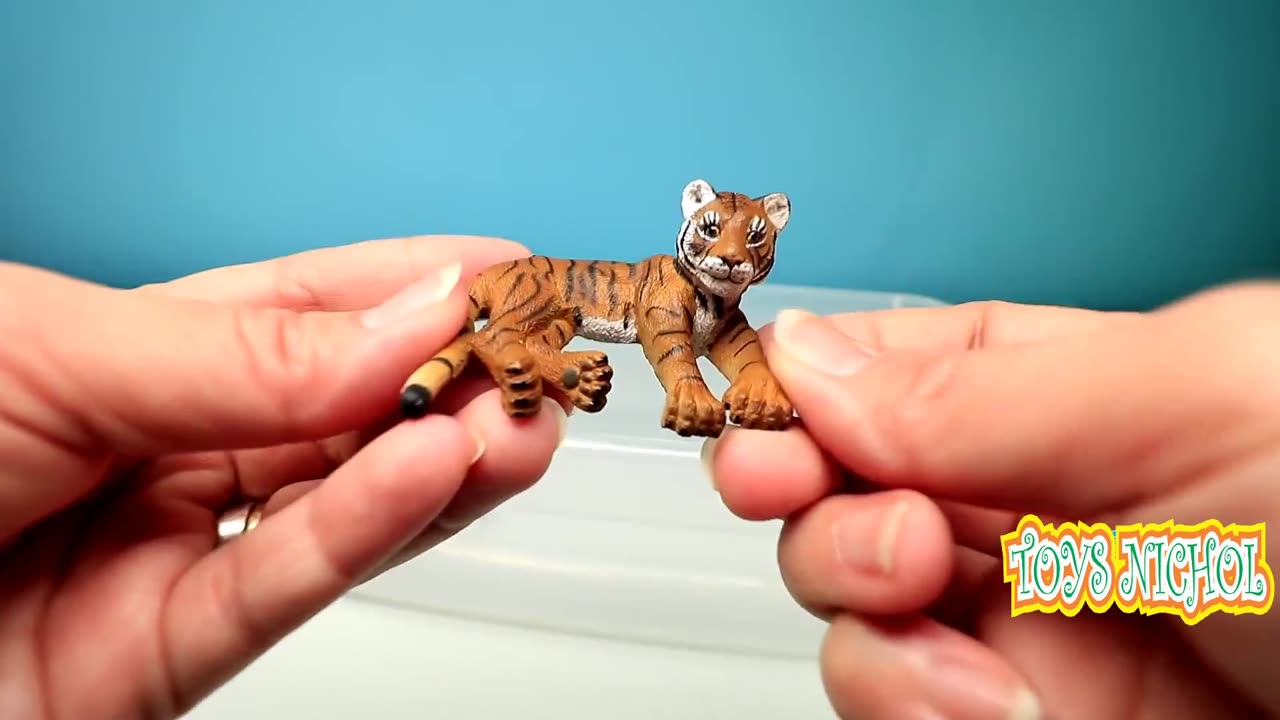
624	536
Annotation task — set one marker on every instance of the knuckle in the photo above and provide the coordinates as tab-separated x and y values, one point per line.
280	357
1247	296
915	418
1229	327
982	316
294	281
985	308
848	670
867	328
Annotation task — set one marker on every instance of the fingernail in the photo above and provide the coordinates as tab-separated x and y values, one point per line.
708	456
972	686
816	343
415	298
1025	706
952	680
480	446
562	419
866	541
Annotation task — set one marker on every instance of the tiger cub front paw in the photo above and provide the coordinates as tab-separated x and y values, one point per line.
756	401
692	410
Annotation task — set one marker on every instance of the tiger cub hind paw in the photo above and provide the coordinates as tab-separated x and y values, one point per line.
587	379
520	386
522	397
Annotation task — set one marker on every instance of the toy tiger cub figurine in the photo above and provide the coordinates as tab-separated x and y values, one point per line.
678	308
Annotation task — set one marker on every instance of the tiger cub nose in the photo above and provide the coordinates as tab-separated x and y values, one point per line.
731	261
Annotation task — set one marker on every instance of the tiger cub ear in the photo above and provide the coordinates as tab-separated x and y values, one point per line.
778	207
696	195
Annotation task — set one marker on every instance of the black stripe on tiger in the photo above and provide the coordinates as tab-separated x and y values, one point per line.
571	281
591	282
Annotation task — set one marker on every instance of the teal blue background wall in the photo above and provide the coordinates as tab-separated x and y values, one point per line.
1112	154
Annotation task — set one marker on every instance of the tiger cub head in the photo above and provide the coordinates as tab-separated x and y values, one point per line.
727	239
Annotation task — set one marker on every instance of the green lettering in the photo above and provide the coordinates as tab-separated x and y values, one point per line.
1197	571
1100	574
1182	553
1163	577
1072	555
1047	551
1255	584
1018	560
1135	575
1221	568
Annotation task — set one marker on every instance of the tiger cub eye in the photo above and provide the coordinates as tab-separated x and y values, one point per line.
710	225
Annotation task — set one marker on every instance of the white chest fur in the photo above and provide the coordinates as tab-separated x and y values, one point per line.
708	319
706	324
609	331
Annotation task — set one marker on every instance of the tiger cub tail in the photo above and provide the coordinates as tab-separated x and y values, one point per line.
425	383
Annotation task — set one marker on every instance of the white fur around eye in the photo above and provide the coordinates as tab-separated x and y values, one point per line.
709	226
755	232
696	195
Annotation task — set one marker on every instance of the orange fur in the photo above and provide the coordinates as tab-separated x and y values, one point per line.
677	307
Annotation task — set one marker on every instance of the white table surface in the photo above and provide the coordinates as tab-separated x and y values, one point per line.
359	659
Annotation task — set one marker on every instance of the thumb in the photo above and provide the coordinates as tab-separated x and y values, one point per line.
89	371
1072	425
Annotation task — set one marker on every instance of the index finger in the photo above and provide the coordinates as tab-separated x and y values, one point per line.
746	465
349	277
968	326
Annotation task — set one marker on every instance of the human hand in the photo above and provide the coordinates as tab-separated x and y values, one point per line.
963	419
130	419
